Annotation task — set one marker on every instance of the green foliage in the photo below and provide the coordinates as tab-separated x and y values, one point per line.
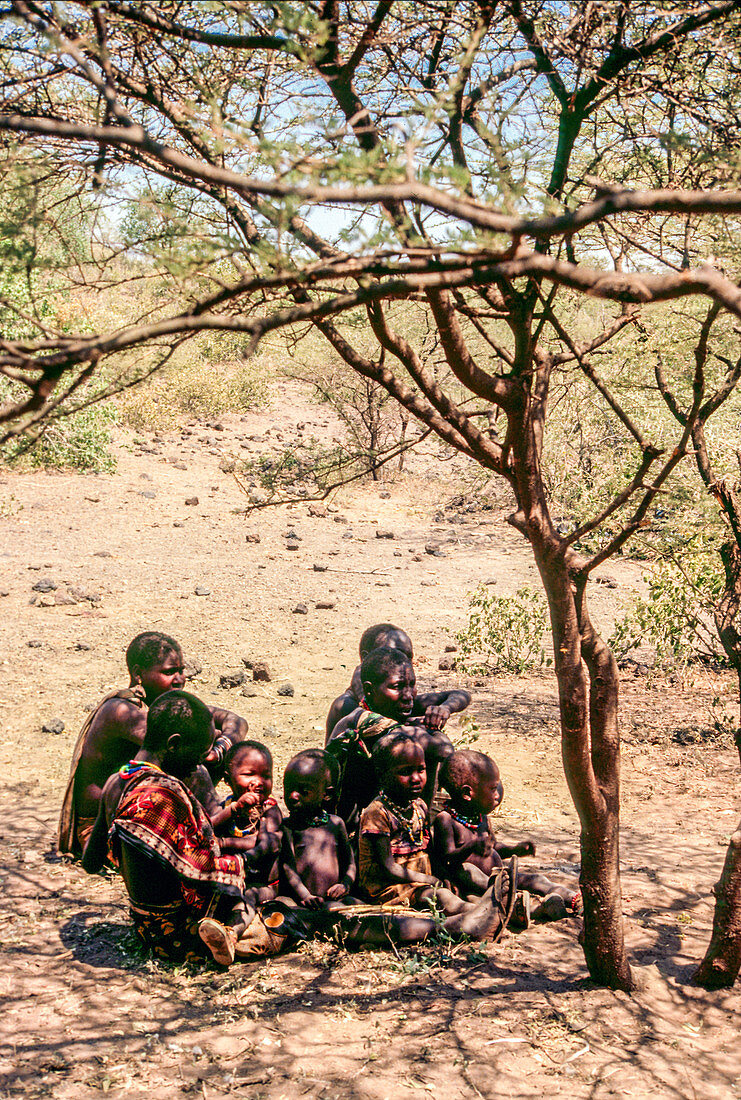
305	469
77	441
675	617
504	633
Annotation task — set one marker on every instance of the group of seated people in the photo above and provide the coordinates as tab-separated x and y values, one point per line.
357	853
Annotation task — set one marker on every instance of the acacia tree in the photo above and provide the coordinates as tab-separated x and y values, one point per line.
474	161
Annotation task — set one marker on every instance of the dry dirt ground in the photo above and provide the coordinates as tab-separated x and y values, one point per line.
84	1014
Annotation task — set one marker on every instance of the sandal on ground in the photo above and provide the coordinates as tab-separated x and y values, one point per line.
505	898
220	940
521	914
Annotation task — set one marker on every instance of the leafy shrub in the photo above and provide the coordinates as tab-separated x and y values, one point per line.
78	441
675	617
304	469
202	389
504	633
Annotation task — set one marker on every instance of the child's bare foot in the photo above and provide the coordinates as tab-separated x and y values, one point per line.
552	907
220	940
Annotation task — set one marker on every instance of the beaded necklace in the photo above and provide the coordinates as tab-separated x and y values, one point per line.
412	818
473	821
320	818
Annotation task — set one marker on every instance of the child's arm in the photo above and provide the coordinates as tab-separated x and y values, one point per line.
224	814
524	848
343	705
449	854
289	872
380	846
346	861
230	728
437	706
96	849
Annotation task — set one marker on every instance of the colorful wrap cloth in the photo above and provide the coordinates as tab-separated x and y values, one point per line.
357	783
73	829
408	841
160	817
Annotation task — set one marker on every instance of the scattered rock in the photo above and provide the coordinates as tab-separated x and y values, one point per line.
45	601
202	590
291	534
324	605
102	554
607	581
83	647
261	672
398	554
446	664
179	466
287	690
4	592
348	535
300	609
292	546
145	477
383	584
270	731
46	584
490	580
434	550
319	510
191	500
33	643
149	494
192	668
429	584
416	557
232	679
384	533
451	647
249	691
64	599
384	494
53	725
340	519
318	568
178	523
252	536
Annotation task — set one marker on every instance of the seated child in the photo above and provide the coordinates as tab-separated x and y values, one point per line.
249	821
114	731
465	850
432	705
389	691
185	895
317	866
395	866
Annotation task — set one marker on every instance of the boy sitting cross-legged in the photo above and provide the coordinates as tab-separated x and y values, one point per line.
317	866
465	850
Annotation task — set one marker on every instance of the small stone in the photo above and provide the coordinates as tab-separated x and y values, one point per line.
291	534
232	679
287	690
324	605
202	590
149	494
292	546
46	601
434	550
271	731
46	584
33	643
179	466
318	568
83	647
429	584
227	465
300	609
102	554
252	536
191	500
490	580
348	535
384	533
178	523
145	477
384	494
192	668
4	592
261	672
319	510
53	725
416	557
607	581
340	519
446	664
64	599
451	647
398	554
249	691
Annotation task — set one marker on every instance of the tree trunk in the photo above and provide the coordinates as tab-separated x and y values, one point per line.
719	969
588	695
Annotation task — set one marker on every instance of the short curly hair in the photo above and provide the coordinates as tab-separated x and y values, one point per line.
465	767
148	648
175	712
235	751
377	665
383	752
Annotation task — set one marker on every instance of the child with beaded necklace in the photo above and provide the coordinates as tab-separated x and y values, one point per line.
395	868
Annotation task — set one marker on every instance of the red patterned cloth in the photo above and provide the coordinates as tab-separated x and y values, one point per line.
159	815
